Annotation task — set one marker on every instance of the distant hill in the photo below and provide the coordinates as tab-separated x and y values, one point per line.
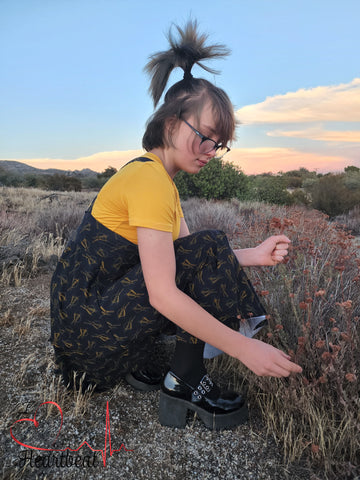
20	169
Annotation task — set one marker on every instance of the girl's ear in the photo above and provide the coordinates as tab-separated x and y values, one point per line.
170	126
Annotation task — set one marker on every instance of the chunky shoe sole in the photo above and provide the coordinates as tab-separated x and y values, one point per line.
142	386
173	412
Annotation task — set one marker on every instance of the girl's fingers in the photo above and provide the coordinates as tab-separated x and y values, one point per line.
286	364
282	245
280	251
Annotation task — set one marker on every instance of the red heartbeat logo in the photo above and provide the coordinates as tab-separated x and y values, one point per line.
102	451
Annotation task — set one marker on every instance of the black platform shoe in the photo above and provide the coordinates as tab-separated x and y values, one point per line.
144	380
226	410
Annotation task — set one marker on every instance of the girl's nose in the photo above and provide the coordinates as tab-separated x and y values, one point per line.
212	153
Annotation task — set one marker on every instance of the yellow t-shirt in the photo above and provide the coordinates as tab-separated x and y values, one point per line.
140	194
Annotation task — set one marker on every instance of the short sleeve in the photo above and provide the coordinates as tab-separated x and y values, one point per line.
152	201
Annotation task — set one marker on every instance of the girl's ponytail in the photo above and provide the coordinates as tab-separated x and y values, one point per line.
184	52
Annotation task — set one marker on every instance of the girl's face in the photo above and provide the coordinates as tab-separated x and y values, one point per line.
185	154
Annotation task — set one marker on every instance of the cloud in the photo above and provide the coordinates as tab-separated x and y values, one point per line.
251	160
337	103
260	160
318	133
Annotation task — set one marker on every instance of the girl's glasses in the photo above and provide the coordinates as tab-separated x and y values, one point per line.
207	144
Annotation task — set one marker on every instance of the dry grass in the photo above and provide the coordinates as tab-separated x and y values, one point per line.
34	227
313	301
314	306
351	220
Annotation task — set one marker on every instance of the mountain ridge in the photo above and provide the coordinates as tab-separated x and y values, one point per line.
20	168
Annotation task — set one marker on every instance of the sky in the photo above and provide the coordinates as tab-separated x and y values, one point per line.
73	92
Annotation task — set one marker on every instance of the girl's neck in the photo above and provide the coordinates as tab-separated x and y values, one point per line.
165	157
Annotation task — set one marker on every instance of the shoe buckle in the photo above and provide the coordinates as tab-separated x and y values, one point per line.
203	388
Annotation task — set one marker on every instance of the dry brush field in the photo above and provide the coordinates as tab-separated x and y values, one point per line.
305	427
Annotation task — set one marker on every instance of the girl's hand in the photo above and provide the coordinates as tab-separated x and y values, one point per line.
273	250
265	360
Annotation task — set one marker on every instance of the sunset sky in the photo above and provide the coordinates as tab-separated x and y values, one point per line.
73	93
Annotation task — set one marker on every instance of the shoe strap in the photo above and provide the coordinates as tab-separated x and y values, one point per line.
204	387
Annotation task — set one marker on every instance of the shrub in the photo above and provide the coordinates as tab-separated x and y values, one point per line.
352	179
293	182
299	197
219	180
58	222
314	306
335	194
62	182
202	214
271	189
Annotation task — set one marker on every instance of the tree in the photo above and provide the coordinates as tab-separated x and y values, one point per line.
104	176
62	182
9	179
352	178
107	173
352	168
92	183
31	180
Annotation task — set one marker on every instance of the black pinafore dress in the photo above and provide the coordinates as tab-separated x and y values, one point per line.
102	324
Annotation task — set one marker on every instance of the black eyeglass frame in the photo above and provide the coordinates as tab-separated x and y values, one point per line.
204	138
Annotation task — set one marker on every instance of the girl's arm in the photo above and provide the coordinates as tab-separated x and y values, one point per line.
270	252
184	229
159	268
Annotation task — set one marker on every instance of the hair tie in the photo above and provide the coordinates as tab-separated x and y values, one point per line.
187	75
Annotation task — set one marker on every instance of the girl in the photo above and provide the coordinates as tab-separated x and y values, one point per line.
134	271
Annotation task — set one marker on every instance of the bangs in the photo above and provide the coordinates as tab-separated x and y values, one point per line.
221	106
224	118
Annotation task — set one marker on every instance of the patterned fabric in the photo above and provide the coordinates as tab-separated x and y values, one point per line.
102	322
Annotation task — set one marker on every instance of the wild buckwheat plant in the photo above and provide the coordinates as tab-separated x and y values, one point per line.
313	302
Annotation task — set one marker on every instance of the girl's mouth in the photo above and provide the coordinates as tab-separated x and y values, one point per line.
202	162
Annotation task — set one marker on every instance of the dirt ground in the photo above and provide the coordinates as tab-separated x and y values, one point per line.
121	428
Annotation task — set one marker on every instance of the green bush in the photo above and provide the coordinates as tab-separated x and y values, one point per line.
62	182
293	182
352	180
299	197
8	179
271	189
219	180
335	194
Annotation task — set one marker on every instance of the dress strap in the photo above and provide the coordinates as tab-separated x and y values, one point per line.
88	210
138	159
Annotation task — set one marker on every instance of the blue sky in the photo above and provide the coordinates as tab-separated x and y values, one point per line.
73	93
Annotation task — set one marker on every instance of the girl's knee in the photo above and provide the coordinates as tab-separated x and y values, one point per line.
201	238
